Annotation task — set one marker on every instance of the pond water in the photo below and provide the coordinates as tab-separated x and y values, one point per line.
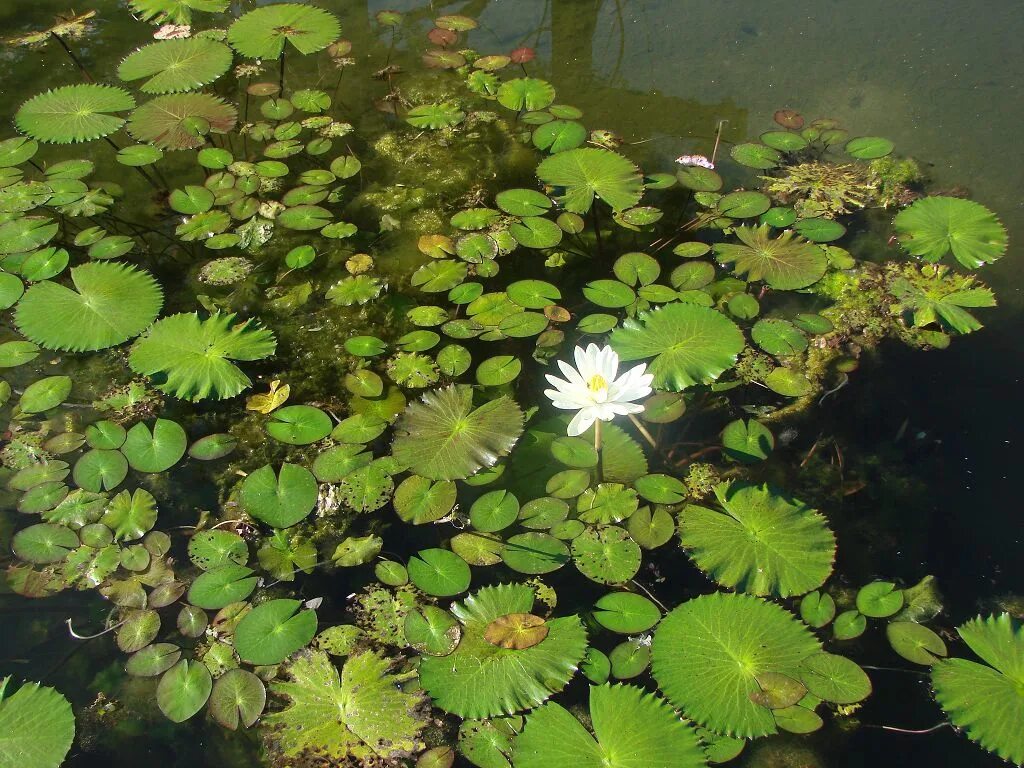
922	446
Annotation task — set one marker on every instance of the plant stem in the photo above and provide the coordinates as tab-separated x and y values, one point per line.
650	594
337	86
77	636
280	83
718	138
597	447
643	431
597	228
910	731
75	59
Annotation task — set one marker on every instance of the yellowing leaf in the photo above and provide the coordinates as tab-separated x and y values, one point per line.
269	401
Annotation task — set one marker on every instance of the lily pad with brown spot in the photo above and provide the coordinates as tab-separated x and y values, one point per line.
516	631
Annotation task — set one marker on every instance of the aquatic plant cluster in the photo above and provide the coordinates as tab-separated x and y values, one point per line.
406	288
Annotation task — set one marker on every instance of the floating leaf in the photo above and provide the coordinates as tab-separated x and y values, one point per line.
443	437
74	113
915	642
580	175
516	631
933	226
432	631
238	698
222	586
183	690
282	499
626	613
263	32
534	553
606	554
213	447
174	11
181	120
157	450
762	542
786	262
690	344
364	715
526	93
747	441
834	678
130	515
37	726
632	729
299	425
756	156
869	147
176	65
434	116
709	651
439	572
987	700
879	599
46	393
44	543
191	358
479	679
111	303
273	631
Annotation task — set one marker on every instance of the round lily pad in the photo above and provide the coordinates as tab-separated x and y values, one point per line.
534	553
299	424
279	499
626	613
439	572
273	631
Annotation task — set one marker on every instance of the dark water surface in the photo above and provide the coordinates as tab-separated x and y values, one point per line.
940	78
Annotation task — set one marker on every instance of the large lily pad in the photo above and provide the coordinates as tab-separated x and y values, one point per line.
709	653
987	700
365	715
263	32
934	226
580	175
176	65
690	344
181	120
786	262
111	303
191	358
443	437
480	679
761	542
631	729
36	726
74	113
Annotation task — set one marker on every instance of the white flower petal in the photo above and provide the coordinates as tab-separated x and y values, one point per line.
585	360
571	374
581	422
609	364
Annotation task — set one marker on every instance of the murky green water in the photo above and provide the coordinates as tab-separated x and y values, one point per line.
942	79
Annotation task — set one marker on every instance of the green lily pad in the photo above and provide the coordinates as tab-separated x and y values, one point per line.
439	572
157	449
281	499
273	631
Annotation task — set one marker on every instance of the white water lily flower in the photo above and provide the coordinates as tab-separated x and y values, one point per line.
593	389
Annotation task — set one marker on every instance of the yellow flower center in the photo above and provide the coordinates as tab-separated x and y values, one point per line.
597	383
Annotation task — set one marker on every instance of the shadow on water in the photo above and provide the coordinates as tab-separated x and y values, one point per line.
936	434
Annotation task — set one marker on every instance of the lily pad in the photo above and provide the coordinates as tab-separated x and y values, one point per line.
273	631
690	344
